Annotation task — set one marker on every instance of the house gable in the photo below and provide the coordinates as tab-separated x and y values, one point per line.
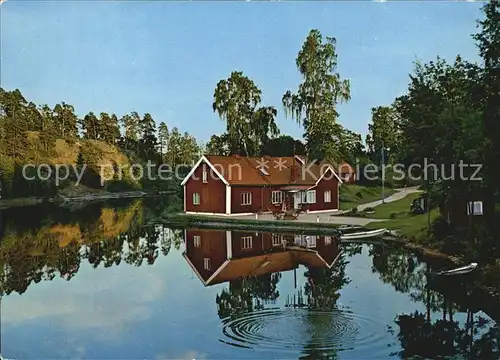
329	170
203	159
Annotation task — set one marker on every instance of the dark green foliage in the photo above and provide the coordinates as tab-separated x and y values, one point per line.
314	105
15	123
488	41
148	141
90	126
29	134
283	145
248	126
65	121
385	134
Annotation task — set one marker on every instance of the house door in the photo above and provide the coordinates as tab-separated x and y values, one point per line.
296	200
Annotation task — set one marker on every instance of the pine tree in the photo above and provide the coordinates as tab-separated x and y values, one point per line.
148	142
15	125
105	132
130	123
111	131
90	126
66	121
163	135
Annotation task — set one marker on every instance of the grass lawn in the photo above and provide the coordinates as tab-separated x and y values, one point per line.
399	208
409	225
353	195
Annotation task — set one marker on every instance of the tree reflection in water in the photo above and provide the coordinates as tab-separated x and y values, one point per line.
445	338
42	252
322	294
247	295
417	333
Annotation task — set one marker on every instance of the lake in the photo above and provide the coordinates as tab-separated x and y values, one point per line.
98	282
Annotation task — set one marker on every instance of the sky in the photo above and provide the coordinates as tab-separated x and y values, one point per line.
166	58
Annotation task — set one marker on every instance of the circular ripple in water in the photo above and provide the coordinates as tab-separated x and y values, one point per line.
298	329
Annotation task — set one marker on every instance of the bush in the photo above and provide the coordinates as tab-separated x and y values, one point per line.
392	216
369	209
440	228
354	210
359	194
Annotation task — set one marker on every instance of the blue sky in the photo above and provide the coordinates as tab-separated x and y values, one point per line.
166	58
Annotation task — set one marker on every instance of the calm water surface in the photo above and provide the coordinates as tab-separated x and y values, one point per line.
98	283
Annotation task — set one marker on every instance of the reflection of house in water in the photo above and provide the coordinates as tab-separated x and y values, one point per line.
221	256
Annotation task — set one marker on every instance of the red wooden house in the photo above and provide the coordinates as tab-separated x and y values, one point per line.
217	256
244	185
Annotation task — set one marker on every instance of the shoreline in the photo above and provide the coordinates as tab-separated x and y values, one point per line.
60	198
220	222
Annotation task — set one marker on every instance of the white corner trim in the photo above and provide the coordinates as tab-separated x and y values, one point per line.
334	173
336	258
185	200
214	275
228	200
338	196
184	255
229	245
300	159
204	159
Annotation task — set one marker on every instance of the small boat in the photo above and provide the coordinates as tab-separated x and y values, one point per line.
363	234
463	270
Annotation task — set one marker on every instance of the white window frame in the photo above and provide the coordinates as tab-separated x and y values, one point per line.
328	240
206	263
475	208
197	240
246	242
246	198
311	241
196	198
277	196
311	197
205	174
277	240
303	197
327	196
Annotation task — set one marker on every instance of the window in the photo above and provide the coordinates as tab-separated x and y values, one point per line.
311	196
206	263
246	242
197	241
205	175
277	197
475	208
196	198
328	240
328	196
246	198
276	239
311	241
303	197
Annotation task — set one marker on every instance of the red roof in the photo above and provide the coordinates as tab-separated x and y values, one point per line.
266	170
